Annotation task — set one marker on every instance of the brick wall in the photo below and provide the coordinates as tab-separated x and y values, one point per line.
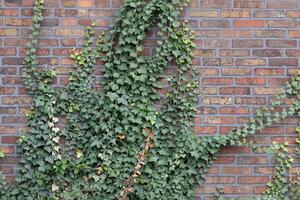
246	50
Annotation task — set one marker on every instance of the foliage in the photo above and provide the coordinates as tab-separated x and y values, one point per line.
124	141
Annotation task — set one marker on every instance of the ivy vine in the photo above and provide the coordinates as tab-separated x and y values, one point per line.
124	141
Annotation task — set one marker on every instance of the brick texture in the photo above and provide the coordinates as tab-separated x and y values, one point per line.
246	49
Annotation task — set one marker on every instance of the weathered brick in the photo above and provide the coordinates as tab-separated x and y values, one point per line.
248	4
204	13
253	160
8	32
237	170
269	33
250	62
16	100
234	52
269	72
282	23
217	81
236	13
268	13
236	71
283	61
85	3
217	100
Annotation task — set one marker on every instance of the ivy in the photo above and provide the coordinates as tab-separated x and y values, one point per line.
123	141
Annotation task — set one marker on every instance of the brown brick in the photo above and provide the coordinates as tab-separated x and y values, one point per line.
231	110
8	32
283	61
250	81
69	32
220	179
208	33
250	62
269	33
268	13
237	170
16	100
282	4
268	52
85	3
267	91
205	129
249	23
253	160
216	43
236	33
248	4
215	4
205	52
234	52
269	72
215	23
234	91
9	12
294	34
236	13
293	52
6	90
68	3
217	81
293	13
282	43
247	43
203	13
8	110
236	190
236	71
217	61
253	179
8	51
225	160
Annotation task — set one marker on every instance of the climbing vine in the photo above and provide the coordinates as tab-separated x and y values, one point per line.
124	141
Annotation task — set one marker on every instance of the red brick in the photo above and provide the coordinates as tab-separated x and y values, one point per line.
250	81
6	169
249	23
9	139
217	61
